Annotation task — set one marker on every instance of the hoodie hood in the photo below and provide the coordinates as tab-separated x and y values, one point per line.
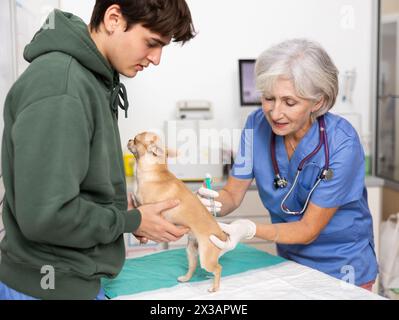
70	35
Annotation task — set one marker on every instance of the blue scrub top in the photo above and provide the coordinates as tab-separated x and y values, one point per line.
345	247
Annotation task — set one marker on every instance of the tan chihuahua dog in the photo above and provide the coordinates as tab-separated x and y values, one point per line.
155	183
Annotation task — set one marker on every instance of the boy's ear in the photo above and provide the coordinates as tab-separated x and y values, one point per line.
113	19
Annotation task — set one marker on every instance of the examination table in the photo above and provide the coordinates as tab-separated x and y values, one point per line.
248	274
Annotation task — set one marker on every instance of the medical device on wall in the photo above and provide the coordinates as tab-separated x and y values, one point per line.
198	151
194	137
348	85
249	96
194	110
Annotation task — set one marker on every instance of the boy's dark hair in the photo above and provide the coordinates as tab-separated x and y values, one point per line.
166	17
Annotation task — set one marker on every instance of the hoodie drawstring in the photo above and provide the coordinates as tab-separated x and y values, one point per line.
119	99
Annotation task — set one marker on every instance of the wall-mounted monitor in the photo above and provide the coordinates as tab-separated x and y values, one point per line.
249	96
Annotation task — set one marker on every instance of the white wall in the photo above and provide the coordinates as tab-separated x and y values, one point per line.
6	53
7	63
206	67
30	16
19	20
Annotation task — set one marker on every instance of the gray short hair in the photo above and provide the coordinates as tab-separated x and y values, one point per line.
306	64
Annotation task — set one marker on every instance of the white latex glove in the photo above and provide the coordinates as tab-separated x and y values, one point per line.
207	196
237	231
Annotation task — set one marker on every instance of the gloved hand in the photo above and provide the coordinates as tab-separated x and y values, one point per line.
205	195
237	231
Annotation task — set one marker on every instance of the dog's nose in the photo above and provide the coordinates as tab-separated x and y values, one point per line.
130	140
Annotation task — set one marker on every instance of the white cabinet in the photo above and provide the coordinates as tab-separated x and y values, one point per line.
134	249
375	205
252	208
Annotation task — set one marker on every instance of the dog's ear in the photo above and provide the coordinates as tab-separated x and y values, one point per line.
157	151
172	153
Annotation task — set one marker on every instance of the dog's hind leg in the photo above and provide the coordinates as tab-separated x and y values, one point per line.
209	261
217	272
192	257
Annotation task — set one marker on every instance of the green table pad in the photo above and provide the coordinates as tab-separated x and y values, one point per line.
161	270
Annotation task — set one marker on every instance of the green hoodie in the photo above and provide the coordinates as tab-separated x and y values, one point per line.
65	204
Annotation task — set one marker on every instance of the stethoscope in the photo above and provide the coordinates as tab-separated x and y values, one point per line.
325	174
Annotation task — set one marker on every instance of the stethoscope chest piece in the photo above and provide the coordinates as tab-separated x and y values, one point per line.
280	183
328	174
